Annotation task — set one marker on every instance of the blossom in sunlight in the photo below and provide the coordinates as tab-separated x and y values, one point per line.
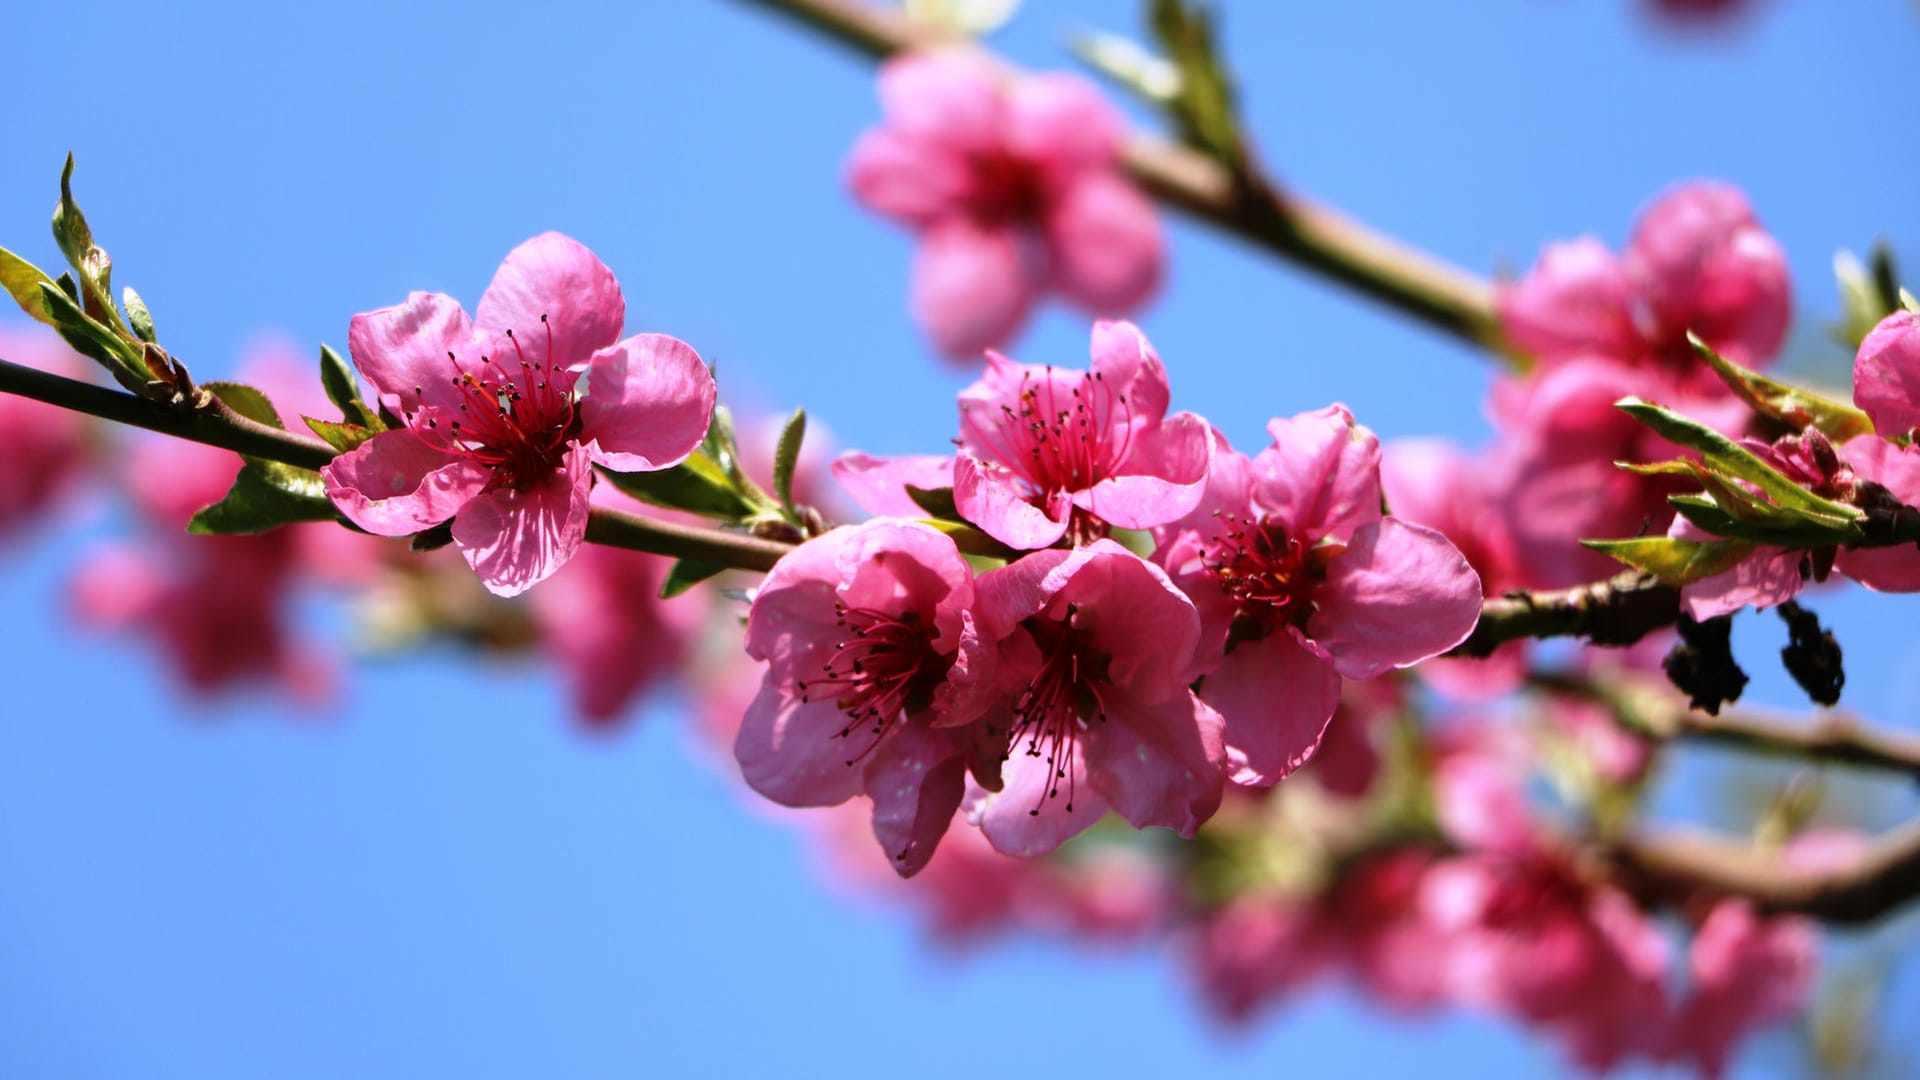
500	431
1886	375
1301	582
44	448
873	668
1745	972
1014	189
1094	649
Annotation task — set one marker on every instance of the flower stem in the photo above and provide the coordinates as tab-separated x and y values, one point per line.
216	425
1314	236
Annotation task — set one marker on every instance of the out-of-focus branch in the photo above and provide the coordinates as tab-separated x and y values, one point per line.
216	425
1618	611
1312	235
1675	866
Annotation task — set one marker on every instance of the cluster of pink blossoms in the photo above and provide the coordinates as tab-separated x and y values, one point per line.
1082	676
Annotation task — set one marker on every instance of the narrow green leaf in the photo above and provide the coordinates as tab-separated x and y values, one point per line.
262	499
785	454
245	400
1729	459
342	437
22	280
138	317
433	539
686	573
937	502
1789	404
1676	562
1710	516
697	485
1203	104
89	261
336	375
92	340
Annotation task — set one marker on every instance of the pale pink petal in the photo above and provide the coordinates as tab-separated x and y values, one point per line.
910	180
1886	375
1400	594
1888	569
116	587
515	539
972	286
792	751
1159	763
1481	803
1276	695
1166	478
1767	577
1013	593
402	350
649	401
915	787
989	495
1129	610
793	610
1026	817
1321	476
397	483
554	277
1125	361
1105	246
899	566
1062	123
1704	264
1575	301
948	98
879	485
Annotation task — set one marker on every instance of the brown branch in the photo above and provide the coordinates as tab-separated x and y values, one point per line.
1311	235
1618	611
1673	867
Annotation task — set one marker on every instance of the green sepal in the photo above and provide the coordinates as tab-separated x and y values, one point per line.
686	573
265	495
937	502
786	454
1790	405
342	437
1729	460
698	485
1675	561
22	280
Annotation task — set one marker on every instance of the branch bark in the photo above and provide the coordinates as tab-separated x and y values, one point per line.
1618	611
1314	236
1673	867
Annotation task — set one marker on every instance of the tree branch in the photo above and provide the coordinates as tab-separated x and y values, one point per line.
1674	866
1618	611
219	426
1311	235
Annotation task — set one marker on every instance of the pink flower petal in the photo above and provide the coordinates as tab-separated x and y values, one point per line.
1276	695
879	485
948	98
405	347
649	401
397	483
1170	475
1105	248
1400	594
1157	763
1575	301
988	494
1891	569
792	752
1321	475
1886	375
1062	122
910	180
915	787
972	286
1023	818
556	278
1124	359
1767	577
515	539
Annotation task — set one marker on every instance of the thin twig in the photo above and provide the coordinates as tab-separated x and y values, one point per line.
1618	611
1674	866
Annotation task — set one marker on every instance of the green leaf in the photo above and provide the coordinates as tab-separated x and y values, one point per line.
1789	404
22	280
336	375
265	495
137	315
1203	105
697	485
937	502
433	539
245	400
1676	562
92	340
1729	460
686	573
1711	516
785	454
342	437
89	260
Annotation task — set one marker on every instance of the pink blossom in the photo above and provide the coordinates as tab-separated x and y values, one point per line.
1046	453
1094	649
1301	582
498	436
1014	189
1886	375
1745	972
44	448
873	659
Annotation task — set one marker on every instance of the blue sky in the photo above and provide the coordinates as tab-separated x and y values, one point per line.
440	877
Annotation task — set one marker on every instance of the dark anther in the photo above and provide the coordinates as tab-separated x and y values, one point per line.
1812	657
1702	665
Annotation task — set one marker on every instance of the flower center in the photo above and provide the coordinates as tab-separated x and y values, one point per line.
516	422
1269	574
1060	701
1063	438
1006	188
884	667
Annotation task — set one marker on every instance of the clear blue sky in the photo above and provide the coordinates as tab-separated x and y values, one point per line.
442	878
